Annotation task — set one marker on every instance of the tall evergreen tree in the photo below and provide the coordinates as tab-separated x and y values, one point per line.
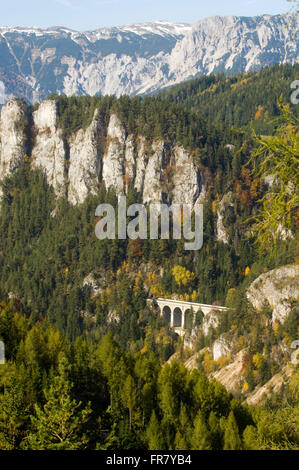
14	412
232	440
154	435
200	439
59	424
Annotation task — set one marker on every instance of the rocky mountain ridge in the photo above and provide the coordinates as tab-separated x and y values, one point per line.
140	59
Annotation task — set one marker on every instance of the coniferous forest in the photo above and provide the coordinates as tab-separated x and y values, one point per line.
90	364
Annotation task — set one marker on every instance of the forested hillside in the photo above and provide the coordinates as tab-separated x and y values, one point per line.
93	395
83	347
240	99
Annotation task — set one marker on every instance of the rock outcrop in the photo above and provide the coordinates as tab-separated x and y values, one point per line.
12	137
114	158
211	320
224	205
94	285
231	375
152	191
48	152
221	347
187	181
75	165
84	163
278	287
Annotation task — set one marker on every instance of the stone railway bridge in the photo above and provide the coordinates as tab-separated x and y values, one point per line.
180	314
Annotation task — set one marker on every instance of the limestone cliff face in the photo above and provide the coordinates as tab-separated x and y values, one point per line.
84	164
74	166
48	151
12	138
152	190
187	182
221	347
133	160
114	157
225	204
279	287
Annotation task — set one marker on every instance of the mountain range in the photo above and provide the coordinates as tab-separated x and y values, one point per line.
141	58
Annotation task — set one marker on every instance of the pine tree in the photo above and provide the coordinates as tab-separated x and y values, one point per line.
232	439
180	442
14	414
154	434
200	439
58	425
182	437
215	433
250	438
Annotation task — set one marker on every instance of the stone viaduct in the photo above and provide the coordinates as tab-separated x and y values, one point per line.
180	314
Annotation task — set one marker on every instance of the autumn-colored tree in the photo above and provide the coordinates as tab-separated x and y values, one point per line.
183	277
135	249
258	113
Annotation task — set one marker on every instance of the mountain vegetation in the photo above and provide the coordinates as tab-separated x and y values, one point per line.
93	395
239	100
90	364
